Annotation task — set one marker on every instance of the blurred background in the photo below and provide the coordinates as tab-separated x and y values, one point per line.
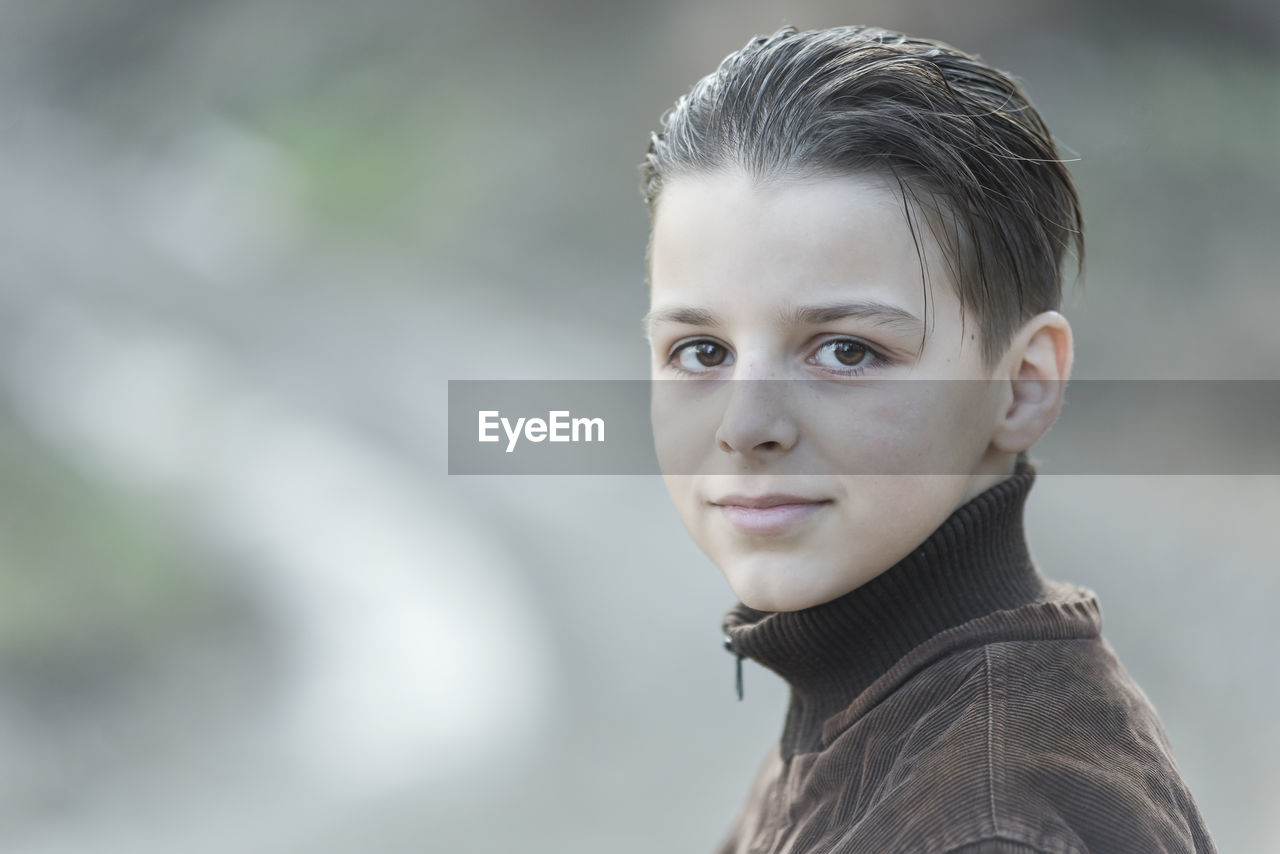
246	244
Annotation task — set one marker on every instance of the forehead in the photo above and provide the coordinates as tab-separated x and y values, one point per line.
726	237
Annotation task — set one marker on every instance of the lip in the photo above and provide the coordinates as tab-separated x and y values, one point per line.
768	514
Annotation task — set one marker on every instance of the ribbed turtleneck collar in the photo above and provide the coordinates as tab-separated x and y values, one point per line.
976	562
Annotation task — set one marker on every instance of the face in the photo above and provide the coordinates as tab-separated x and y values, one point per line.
817	281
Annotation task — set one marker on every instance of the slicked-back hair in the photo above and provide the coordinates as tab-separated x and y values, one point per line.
958	137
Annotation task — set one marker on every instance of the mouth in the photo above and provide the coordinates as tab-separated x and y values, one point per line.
768	514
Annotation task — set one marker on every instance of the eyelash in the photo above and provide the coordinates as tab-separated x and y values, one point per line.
875	359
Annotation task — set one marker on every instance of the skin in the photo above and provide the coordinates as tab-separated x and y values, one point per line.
733	264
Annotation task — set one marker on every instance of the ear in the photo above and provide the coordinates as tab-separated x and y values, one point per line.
1037	366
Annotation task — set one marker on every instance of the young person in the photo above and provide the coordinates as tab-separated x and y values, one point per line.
836	208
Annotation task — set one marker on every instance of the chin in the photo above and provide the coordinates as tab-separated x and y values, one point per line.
766	588
754	599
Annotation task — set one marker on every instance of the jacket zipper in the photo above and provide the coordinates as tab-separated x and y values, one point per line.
728	645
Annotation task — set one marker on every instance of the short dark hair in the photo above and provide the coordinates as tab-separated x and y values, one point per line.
959	137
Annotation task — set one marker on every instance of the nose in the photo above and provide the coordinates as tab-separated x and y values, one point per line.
757	419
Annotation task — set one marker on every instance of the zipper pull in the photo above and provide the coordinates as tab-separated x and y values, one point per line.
728	645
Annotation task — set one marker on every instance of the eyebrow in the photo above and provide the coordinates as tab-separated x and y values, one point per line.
879	313
681	314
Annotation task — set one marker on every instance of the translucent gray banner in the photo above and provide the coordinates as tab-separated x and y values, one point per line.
858	426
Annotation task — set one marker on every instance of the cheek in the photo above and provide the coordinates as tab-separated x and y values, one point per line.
900	427
877	430
886	516
683	492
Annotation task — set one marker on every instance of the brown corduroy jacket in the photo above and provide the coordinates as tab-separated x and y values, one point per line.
960	703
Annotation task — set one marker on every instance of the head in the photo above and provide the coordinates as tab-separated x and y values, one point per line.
851	205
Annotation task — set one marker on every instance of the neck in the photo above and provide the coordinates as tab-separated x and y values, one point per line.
976	562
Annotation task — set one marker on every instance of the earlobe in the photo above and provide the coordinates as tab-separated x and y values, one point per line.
1039	364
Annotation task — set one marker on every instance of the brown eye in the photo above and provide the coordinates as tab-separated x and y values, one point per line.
847	353
708	354
697	356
